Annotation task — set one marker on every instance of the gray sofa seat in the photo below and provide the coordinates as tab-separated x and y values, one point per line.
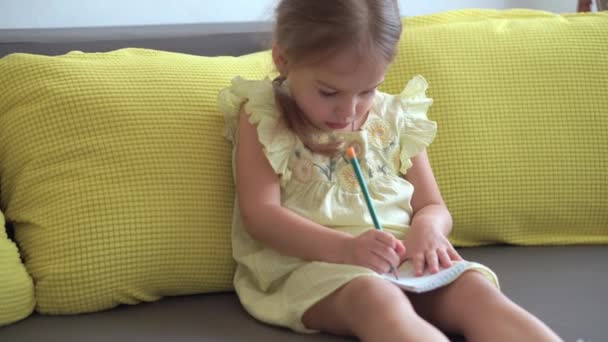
564	286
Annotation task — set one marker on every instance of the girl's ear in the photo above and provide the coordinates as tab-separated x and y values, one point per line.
279	59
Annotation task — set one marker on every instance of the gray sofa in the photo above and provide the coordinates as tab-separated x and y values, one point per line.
564	285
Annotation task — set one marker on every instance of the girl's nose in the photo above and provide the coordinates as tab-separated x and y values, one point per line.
347	109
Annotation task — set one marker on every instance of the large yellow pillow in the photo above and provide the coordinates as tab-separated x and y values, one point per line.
116	175
521	102
16	288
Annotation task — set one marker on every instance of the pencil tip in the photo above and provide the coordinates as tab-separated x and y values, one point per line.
350	152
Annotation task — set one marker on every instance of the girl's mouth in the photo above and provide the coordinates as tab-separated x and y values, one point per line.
336	125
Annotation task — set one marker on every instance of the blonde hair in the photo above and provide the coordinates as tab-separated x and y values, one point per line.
310	31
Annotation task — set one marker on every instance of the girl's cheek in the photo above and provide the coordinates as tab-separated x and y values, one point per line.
363	107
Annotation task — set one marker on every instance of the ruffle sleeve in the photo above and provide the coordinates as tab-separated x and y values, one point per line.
257	97
415	130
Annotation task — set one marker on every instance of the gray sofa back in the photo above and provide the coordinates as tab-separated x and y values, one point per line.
231	39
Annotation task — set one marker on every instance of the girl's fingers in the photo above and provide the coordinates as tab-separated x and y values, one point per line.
432	261
444	258
386	238
400	250
380	265
419	262
388	245
454	254
389	255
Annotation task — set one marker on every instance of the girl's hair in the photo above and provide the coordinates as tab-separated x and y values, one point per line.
309	31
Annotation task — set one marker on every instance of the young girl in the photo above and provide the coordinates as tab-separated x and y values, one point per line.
308	255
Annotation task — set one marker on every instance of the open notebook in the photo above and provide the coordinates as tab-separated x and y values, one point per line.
427	282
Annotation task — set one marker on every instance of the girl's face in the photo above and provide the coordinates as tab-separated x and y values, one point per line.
337	94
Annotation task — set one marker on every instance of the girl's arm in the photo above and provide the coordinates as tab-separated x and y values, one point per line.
290	234
427	244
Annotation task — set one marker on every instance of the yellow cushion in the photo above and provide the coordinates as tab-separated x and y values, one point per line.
16	288
116	174
521	154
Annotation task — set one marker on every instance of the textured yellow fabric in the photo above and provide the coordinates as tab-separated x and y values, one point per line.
278	289
116	175
16	288
521	154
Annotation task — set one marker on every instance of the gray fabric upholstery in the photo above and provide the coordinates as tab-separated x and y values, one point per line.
203	39
564	286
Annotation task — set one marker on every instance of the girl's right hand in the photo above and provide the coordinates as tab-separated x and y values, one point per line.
376	250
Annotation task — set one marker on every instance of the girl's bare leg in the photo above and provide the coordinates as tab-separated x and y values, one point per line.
475	308
373	310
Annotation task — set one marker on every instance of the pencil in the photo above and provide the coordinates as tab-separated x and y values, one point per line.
350	153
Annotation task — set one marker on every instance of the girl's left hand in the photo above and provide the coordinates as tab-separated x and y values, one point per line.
428	248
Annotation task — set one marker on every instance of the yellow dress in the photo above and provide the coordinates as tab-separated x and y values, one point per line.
278	289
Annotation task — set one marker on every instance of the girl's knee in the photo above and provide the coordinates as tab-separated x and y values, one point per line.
467	293
368	293
474	289
476	281
360	301
374	288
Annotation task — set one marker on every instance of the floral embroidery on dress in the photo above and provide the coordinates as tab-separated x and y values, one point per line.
384	169
379	157
327	169
302	169
379	133
347	178
303	165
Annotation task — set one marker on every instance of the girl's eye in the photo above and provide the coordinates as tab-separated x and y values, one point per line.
327	93
368	92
